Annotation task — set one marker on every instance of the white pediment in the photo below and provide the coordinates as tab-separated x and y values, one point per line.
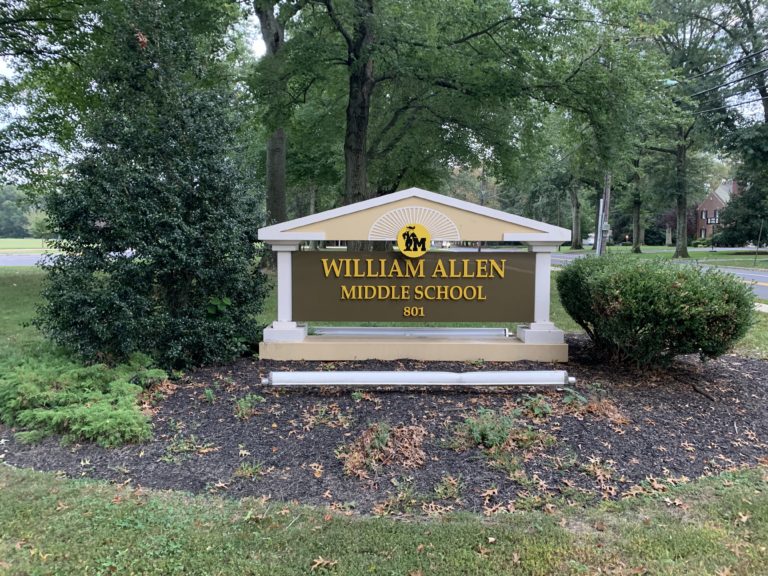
446	219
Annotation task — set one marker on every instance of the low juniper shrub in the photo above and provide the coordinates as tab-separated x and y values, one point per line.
649	311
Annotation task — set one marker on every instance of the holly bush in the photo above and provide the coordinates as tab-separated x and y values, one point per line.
649	311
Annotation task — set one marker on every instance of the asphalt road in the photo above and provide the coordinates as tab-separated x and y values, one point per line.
758	278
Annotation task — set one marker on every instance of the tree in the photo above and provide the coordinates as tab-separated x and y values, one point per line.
156	231
12	219
745	218
694	48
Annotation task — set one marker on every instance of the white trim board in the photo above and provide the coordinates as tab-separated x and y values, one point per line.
285	231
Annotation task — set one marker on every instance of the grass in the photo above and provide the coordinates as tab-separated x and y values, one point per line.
718	525
23	245
755	343
731	258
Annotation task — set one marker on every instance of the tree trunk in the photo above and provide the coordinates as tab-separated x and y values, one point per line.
573	194
636	203
273	34
681	196
597	222
356	137
276	207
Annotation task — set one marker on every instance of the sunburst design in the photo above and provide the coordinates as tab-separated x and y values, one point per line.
439	225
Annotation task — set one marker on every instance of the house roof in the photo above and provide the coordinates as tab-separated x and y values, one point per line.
723	192
446	219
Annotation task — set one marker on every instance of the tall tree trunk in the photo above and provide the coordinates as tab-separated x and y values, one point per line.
361	83
636	203
356	135
276	205
273	34
681	196
597	222
573	194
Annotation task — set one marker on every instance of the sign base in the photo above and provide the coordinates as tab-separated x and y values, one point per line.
327	347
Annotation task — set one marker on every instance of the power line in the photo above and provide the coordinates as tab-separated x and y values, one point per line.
731	105
729	82
726	65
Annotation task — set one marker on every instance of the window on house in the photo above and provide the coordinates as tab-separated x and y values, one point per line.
703	214
703	233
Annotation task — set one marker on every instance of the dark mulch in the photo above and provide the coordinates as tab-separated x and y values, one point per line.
640	432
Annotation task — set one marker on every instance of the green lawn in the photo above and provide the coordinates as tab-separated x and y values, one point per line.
49	525
22	245
733	258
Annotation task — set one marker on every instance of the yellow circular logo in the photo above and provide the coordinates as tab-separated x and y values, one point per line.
413	240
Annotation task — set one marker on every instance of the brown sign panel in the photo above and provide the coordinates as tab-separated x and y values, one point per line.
388	287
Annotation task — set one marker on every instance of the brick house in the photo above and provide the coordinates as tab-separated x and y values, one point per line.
708	212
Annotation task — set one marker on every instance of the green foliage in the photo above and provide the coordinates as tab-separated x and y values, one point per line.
537	406
744	216
489	428
157	230
12	218
649	311
245	406
59	396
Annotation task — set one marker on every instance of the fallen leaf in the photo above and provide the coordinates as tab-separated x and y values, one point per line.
743	517
322	564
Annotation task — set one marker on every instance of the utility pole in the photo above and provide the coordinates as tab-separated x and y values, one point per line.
605	227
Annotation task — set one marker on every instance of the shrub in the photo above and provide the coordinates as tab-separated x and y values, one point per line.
54	395
156	223
649	311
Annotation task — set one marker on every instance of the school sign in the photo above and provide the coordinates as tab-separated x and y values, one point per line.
414	283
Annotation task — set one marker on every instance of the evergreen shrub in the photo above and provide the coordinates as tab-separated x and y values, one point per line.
155	222
649	311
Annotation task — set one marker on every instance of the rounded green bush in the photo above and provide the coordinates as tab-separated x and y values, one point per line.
649	311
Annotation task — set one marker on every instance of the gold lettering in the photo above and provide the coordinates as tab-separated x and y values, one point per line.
414	268
439	270
456	293
418	292
442	292
331	266
452	267
498	268
350	292
466	270
369	292
482	268
395	270
369	272
481	294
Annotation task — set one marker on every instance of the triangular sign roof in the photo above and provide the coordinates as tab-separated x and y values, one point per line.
446	219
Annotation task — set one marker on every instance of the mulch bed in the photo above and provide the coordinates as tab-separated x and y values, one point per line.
637	433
